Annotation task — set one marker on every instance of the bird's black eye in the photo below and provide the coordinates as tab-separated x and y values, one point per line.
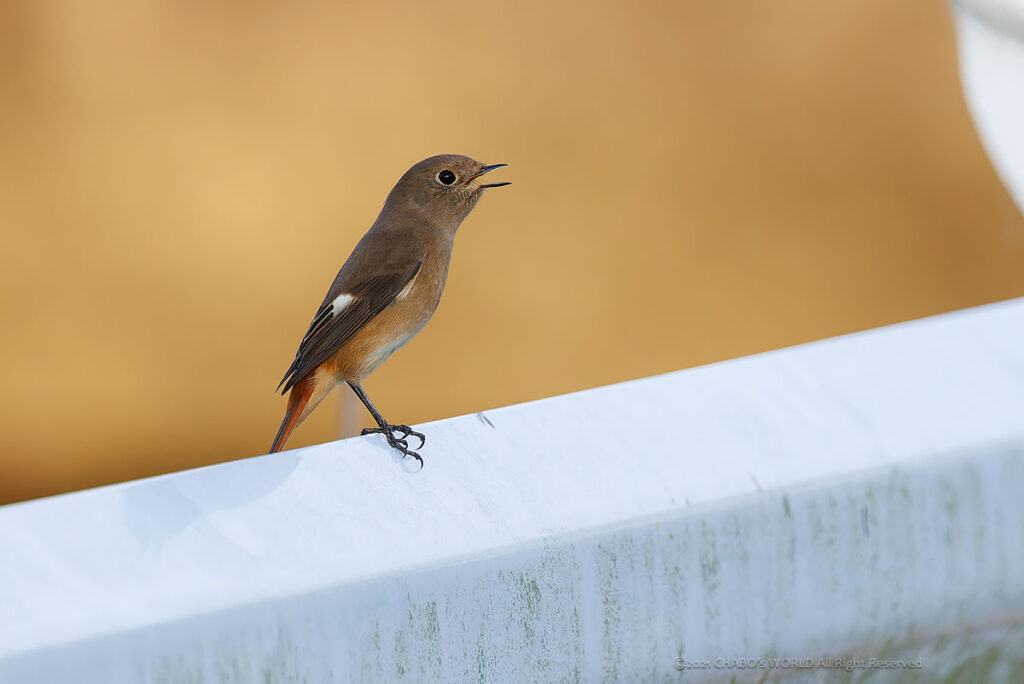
446	177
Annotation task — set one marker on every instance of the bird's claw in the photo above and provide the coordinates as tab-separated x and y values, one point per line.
397	438
405	431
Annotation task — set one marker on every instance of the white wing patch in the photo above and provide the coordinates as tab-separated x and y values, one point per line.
340	303
326	313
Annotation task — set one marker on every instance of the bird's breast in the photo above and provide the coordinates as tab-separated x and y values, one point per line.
389	330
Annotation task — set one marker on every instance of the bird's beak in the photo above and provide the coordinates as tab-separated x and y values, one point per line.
487	169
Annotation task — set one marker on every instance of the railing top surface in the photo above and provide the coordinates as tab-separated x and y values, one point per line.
203	540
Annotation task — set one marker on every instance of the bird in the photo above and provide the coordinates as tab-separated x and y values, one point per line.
385	292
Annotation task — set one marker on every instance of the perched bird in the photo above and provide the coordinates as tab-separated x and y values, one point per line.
385	292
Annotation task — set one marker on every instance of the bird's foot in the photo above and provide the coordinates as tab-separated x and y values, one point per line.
397	437
405	431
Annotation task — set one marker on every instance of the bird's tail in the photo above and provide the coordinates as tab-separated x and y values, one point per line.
297	401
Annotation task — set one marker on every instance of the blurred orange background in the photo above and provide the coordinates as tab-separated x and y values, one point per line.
694	181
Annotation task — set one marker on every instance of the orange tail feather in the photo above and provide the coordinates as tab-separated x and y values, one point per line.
297	400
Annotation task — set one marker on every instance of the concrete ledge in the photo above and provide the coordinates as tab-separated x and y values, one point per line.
856	496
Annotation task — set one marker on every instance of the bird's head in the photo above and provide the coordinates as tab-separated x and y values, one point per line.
444	189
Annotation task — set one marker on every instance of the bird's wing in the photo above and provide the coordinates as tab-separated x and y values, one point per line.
350	304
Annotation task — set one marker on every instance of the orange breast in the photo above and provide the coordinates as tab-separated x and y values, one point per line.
392	327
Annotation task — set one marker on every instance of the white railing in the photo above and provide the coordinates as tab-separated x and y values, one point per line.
860	496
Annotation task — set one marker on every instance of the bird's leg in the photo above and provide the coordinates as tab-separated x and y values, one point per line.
388	430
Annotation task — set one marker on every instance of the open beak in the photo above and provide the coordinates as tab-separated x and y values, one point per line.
487	169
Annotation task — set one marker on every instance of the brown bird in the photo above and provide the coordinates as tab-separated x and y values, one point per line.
385	292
